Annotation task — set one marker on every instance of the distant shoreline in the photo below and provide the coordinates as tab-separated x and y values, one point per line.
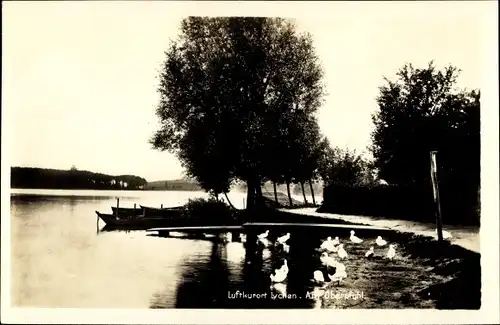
72	179
102	189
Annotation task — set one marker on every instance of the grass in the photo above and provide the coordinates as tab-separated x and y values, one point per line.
424	274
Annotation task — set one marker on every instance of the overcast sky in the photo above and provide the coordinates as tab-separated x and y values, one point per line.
79	79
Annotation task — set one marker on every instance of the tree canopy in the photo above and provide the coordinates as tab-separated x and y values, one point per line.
237	101
423	110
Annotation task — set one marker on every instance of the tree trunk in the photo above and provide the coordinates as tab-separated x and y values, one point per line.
303	192
228	201
275	192
312	192
288	191
258	194
250	195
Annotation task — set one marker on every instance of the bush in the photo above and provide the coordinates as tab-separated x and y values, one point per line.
395	201
209	212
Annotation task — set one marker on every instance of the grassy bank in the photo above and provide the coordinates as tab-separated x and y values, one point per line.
424	274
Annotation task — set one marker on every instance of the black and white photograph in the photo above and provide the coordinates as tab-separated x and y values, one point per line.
322	158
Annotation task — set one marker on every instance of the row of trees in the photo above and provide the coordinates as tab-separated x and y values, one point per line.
29	177
238	103
238	98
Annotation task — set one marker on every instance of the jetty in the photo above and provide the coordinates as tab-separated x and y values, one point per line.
254	226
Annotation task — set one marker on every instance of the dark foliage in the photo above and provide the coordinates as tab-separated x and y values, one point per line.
237	102
27	177
422	111
410	202
209	212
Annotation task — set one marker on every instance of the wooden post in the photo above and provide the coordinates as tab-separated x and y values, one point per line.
251	244
437	203
117	205
275	192
161	207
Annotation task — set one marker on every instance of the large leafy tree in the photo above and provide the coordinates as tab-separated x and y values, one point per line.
422	110
230	89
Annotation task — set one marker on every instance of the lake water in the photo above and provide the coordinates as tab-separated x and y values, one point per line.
62	258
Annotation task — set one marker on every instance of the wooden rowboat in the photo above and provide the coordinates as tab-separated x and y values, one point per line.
127	211
141	221
166	212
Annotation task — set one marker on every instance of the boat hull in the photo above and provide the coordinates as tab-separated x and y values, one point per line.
140	221
127	211
163	212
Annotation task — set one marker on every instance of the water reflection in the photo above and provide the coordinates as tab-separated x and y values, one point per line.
236	275
107	228
58	261
235	257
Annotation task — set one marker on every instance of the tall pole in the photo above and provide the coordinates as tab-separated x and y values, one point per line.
437	203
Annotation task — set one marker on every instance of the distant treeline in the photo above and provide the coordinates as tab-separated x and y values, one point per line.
174	185
28	177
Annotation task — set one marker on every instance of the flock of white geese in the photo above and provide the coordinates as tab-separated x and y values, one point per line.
328	247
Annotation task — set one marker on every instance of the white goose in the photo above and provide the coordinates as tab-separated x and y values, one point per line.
284	268
355	239
380	242
243	238
332	248
327	260
370	253
326	243
341	252
286	248
339	266
318	277
391	252
282	240
263	235
228	237
336	241
446	234
264	241
339	275
278	277
279	287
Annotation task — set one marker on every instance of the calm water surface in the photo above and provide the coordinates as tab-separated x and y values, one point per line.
61	257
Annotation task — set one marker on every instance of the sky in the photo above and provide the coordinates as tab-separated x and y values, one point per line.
79	79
